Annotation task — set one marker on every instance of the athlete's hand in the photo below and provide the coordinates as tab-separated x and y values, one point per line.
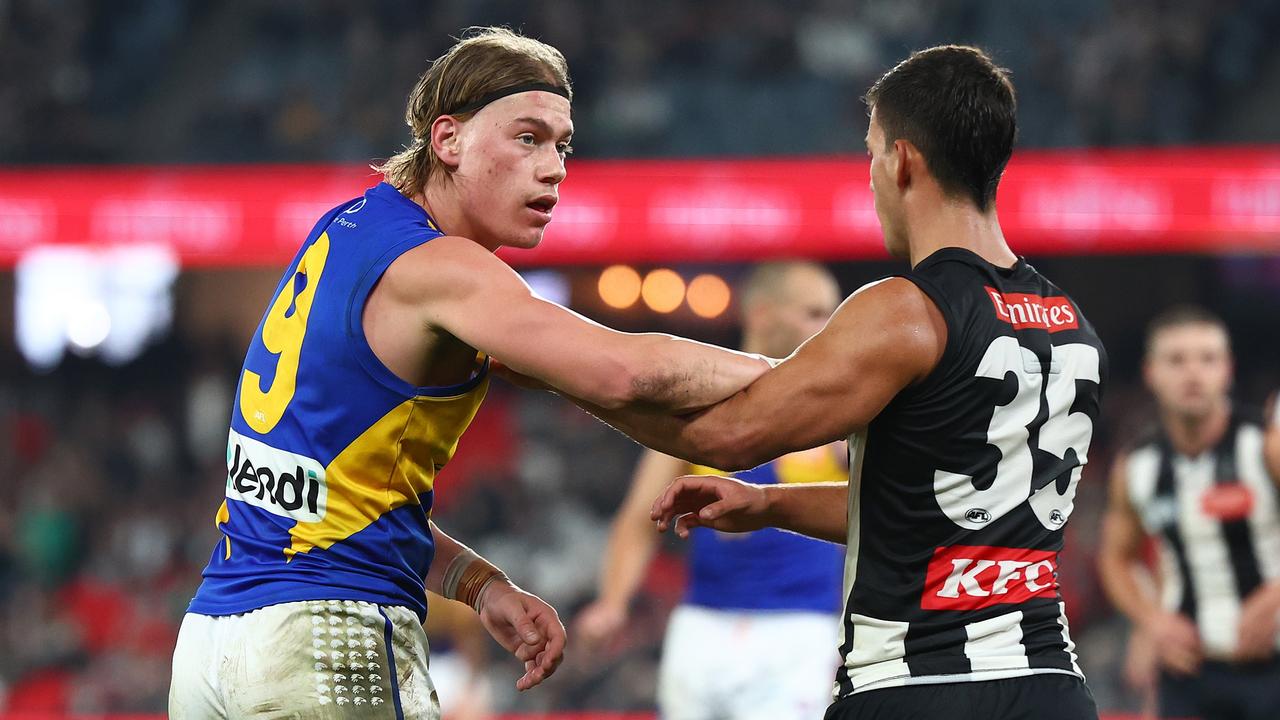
1257	631
598	623
1177	642
526	626
719	503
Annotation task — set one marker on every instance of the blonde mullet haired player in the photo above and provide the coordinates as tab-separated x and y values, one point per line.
371	361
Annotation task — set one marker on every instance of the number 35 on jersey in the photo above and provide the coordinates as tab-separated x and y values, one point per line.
1058	431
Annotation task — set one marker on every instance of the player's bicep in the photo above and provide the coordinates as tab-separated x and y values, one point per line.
484	303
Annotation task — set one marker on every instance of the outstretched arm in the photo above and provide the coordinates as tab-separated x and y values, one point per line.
631	545
818	510
883	338
453	285
522	623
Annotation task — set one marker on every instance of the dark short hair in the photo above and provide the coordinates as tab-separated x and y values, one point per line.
1180	315
958	108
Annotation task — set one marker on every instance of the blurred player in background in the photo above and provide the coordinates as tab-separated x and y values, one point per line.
753	637
1203	486
370	362
968	388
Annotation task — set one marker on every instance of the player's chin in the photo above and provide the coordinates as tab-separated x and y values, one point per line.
527	237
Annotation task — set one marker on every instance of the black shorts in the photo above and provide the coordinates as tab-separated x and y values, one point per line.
1223	691
1034	697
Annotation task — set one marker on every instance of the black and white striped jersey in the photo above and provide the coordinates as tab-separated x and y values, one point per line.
961	487
1216	519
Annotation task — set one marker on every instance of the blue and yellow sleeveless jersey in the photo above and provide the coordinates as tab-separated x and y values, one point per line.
769	569
332	458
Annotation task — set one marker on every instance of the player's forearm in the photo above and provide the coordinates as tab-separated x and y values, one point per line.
448	567
819	510
655	429
679	375
674	435
1127	587
446	549
627	555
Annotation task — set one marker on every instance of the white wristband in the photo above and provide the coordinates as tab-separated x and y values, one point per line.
453	573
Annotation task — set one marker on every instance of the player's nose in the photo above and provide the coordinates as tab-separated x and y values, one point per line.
551	168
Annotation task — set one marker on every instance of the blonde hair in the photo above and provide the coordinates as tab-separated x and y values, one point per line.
484	60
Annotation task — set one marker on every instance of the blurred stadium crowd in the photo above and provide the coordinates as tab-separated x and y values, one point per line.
112	475
271	80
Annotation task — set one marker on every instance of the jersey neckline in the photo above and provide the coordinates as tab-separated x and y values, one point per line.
955	250
387	191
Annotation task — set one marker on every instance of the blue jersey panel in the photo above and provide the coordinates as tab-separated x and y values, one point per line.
769	569
331	458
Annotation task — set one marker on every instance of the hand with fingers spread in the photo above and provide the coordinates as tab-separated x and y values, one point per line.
719	503
527	627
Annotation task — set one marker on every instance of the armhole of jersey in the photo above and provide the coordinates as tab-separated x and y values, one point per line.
368	359
1130	489
939	300
1141	468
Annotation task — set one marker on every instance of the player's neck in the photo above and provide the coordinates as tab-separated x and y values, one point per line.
1192	435
959	224
439	199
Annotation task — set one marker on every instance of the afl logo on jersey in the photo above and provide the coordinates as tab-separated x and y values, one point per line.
280	482
978	515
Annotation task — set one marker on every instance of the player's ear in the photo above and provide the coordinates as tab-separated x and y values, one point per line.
902	160
446	140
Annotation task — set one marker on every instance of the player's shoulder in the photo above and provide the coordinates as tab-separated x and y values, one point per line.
1138	455
894	294
376	227
894	304
445	265
894	318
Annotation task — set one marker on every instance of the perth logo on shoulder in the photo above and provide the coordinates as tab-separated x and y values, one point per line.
280	482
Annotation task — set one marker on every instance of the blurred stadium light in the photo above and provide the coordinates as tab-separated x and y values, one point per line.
109	302
663	290
619	286
708	295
